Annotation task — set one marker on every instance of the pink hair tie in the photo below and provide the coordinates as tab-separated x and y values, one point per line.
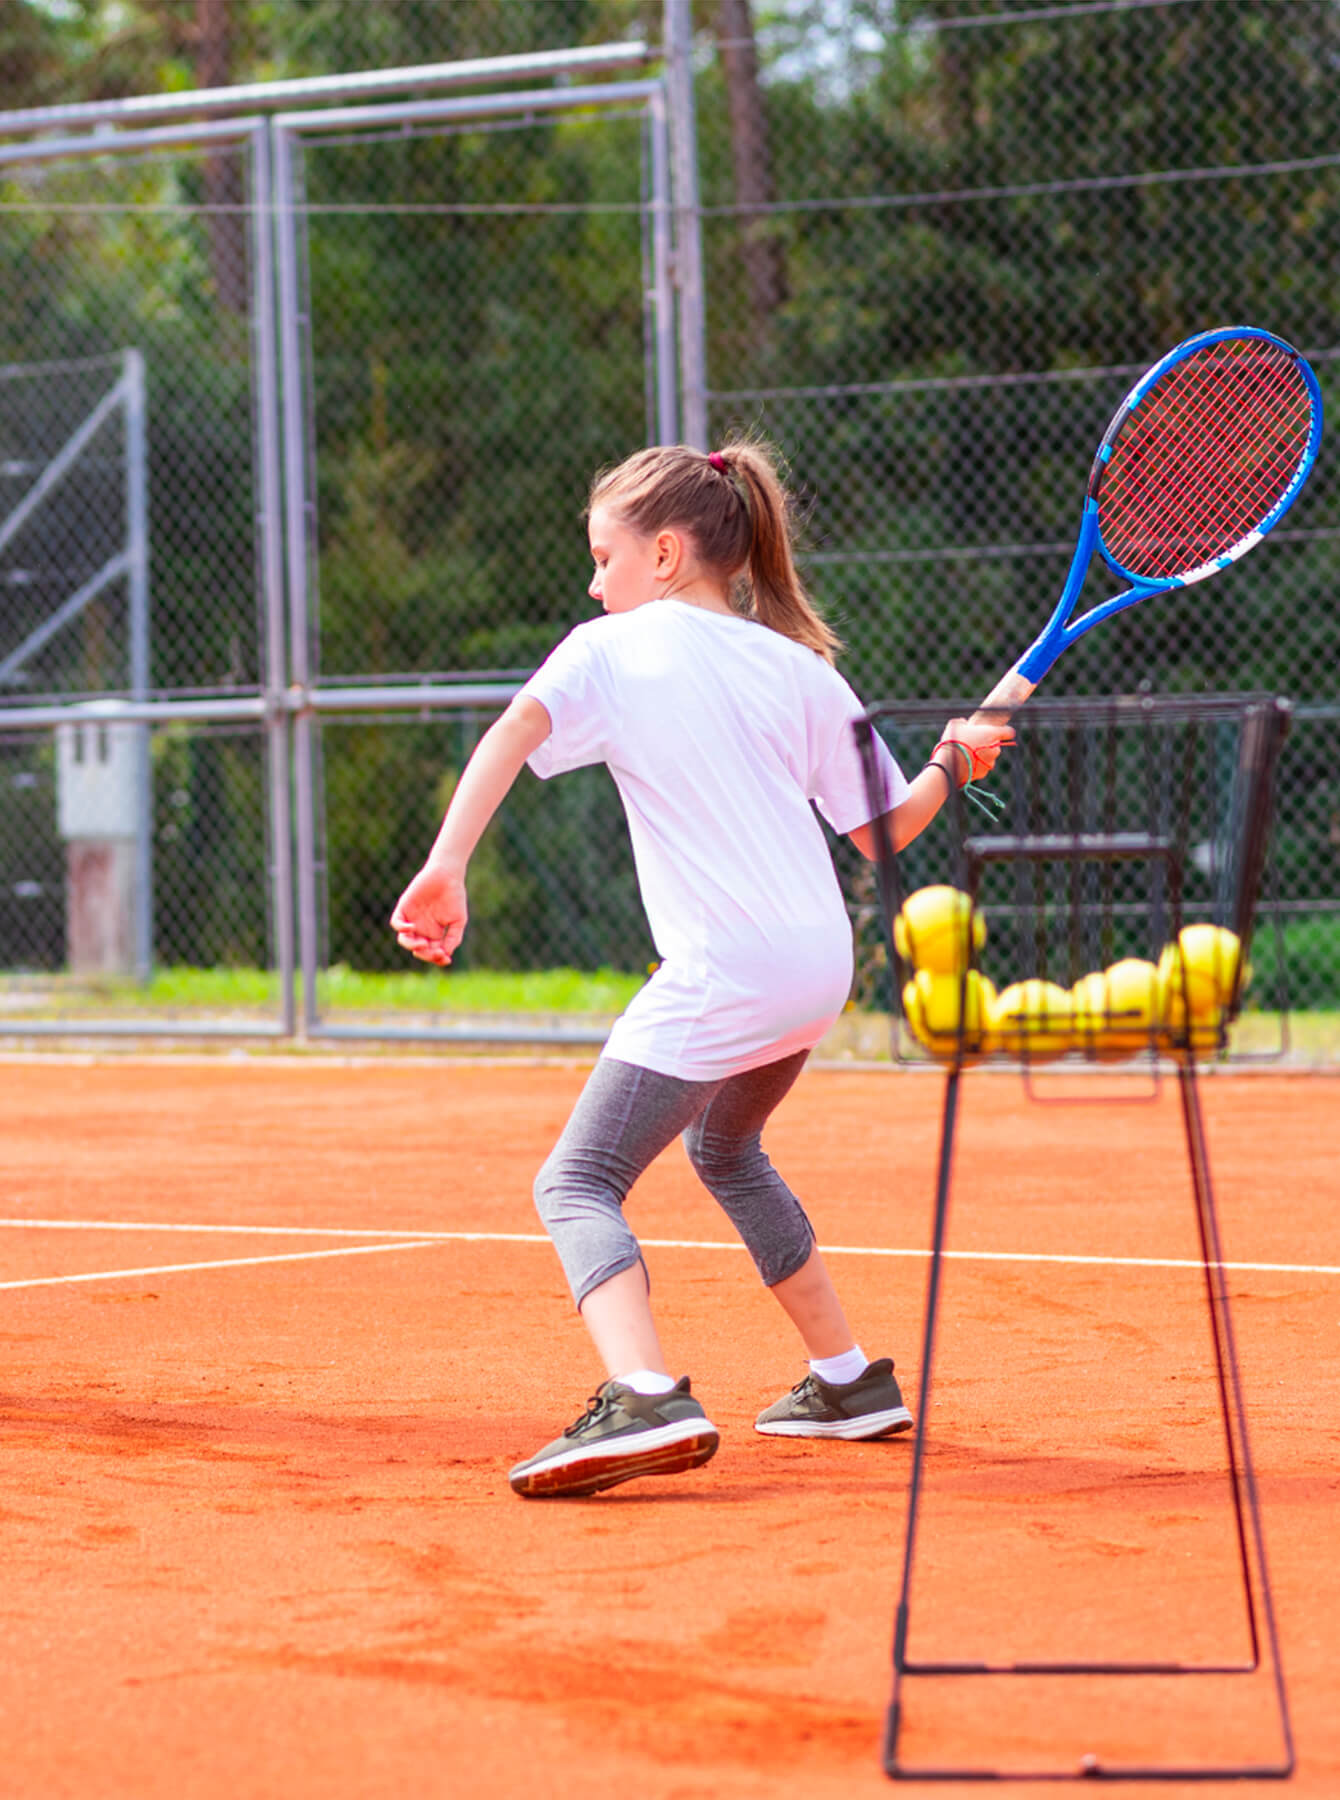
718	462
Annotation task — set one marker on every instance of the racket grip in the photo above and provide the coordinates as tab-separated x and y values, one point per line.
1006	697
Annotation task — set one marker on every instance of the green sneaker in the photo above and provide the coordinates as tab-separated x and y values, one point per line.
869	1407
621	1434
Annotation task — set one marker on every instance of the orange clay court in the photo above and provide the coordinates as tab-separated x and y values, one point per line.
258	1534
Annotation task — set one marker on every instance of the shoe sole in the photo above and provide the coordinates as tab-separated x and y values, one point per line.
865	1425
669	1451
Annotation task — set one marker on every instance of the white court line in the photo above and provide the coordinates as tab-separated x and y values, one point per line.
232	1262
422	1240
326	1231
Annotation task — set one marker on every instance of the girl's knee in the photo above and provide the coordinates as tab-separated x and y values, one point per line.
575	1185
693	1139
549	1188
719	1162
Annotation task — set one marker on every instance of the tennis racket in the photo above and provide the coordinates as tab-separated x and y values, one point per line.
1205	455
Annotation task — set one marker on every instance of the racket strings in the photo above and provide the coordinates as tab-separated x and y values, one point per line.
1205	458
1216	426
1206	423
1182	537
1205	468
1223	453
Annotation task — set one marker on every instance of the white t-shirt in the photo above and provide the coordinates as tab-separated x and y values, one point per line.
719	732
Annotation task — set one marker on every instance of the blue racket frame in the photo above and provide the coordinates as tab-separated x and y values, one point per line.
1061	631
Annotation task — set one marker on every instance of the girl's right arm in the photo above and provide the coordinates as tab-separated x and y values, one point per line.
948	767
430	916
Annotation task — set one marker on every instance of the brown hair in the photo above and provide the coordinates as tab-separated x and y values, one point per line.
738	513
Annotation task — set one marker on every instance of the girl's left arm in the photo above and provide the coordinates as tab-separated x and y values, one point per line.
430	916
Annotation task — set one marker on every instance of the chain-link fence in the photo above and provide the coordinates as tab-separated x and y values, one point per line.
132	540
499	352
937	244
115	254
941	241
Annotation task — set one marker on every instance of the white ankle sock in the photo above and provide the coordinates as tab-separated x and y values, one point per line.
647	1381
840	1369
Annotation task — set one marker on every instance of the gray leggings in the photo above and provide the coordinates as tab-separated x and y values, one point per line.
625	1117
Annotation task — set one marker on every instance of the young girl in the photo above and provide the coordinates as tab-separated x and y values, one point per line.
708	690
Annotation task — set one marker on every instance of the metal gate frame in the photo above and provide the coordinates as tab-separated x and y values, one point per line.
290	701
308	698
266	708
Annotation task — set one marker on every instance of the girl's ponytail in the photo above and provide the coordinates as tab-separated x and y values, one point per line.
737	509
776	593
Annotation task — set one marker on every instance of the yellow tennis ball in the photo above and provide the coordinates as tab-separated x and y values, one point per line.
1202	1031
1203	964
1034	1020
1117	1009
934	1004
935	927
1196	980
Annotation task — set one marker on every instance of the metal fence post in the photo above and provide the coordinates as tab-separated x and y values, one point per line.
663	293
688	222
298	513
137	579
270	530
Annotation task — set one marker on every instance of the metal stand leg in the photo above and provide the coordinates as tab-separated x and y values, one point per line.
1242	1475
949	1120
1257	1596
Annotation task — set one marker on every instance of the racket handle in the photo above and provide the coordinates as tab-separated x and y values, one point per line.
1006	697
